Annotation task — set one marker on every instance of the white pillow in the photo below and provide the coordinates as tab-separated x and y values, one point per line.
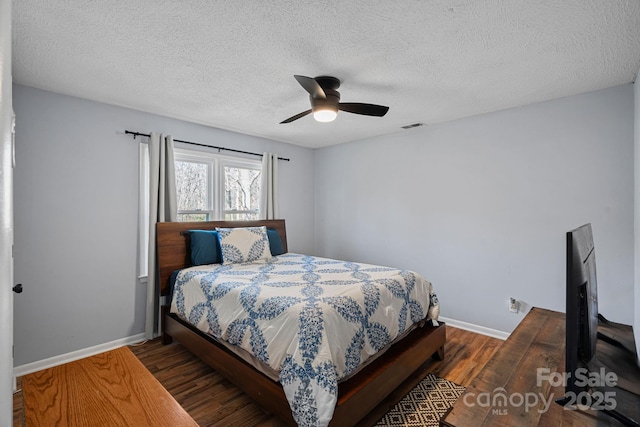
244	244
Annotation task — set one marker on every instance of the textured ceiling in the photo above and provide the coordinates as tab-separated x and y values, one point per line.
231	64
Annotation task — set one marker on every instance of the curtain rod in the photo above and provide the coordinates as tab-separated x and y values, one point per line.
202	145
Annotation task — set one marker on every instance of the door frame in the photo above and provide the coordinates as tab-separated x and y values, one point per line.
7	379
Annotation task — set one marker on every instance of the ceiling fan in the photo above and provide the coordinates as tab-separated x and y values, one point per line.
325	100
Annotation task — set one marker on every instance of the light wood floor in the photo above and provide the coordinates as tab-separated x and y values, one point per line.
213	401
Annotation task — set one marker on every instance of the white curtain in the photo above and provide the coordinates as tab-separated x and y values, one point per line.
162	208
269	208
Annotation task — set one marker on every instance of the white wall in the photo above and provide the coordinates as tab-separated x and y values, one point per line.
6	220
76	190
481	206
636	324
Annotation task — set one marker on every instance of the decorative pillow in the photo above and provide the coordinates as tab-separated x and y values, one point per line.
205	247
244	244
275	242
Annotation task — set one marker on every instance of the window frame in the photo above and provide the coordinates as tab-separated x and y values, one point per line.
191	156
237	163
216	179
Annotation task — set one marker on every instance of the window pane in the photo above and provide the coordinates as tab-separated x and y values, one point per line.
241	216
192	186
192	217
241	189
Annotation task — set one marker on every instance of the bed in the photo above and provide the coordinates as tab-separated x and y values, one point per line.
363	387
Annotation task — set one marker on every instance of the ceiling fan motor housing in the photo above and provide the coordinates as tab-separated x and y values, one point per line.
330	102
327	82
329	85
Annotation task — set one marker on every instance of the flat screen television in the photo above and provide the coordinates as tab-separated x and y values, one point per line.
582	305
582	320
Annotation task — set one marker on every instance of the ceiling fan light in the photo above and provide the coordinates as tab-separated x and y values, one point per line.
325	115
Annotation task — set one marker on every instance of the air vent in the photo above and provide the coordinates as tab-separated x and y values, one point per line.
414	125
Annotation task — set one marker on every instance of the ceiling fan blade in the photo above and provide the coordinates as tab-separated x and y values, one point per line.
364	109
296	117
311	86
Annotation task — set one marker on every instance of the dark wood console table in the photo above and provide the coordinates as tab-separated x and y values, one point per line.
503	393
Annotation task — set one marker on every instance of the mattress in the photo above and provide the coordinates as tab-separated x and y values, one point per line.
311	321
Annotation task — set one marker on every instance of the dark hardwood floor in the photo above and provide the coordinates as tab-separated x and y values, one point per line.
213	401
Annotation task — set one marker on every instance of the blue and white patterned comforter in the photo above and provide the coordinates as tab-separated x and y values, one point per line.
314	320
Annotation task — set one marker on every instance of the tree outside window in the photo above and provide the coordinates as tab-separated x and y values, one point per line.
213	187
241	193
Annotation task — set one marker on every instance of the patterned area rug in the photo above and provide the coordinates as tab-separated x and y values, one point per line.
424	405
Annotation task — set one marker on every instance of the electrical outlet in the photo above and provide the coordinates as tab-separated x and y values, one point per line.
513	305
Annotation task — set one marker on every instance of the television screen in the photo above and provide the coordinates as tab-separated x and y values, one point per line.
581	304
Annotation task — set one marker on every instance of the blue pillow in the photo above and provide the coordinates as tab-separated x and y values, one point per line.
205	247
275	242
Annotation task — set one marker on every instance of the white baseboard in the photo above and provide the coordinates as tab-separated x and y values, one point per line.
39	365
475	328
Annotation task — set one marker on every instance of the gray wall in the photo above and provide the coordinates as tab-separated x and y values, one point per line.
481	206
76	199
478	206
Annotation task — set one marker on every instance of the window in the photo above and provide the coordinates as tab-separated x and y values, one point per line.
194	187
213	187
241	192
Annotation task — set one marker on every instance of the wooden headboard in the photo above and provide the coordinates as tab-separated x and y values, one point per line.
173	243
